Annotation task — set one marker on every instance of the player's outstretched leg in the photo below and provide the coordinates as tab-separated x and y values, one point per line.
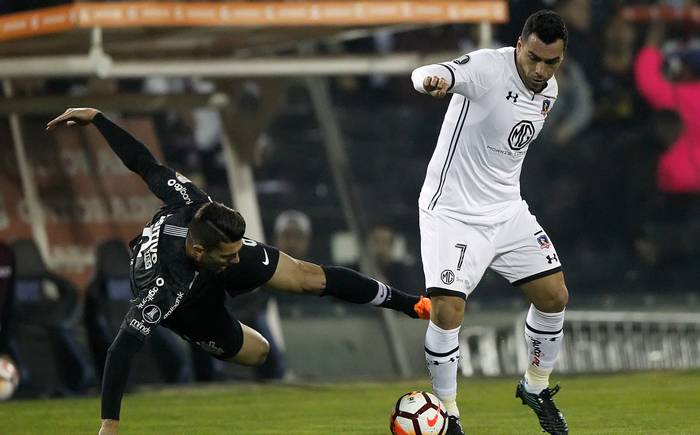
351	286
544	335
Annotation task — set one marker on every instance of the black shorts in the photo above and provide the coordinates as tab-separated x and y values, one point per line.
207	324
205	321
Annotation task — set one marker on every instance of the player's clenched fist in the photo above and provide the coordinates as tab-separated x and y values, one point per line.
435	86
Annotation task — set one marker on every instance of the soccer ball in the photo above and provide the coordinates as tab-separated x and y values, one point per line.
418	413
9	378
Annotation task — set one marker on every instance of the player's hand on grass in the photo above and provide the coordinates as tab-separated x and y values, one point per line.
74	116
109	427
435	86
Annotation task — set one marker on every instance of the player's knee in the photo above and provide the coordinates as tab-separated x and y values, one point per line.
261	354
253	354
562	298
556	299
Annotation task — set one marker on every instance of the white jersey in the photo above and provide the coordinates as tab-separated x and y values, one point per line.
474	174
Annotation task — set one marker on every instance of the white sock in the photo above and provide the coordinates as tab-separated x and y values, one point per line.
442	358
544	334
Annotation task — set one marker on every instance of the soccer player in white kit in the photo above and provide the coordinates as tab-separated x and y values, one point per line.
472	215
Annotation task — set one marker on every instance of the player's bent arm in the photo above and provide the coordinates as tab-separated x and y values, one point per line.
116	373
297	276
472	75
434	80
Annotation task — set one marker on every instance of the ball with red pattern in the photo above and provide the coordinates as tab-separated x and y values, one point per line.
418	413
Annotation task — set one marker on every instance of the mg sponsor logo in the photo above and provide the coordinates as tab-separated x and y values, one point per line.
521	135
447	276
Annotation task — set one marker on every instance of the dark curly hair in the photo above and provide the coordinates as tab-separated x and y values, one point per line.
547	25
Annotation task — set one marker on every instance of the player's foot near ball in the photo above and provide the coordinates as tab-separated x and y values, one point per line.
551	419
422	308
454	426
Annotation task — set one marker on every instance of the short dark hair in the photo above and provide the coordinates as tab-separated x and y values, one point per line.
215	223
547	25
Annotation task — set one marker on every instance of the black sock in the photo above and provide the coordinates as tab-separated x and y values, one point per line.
350	286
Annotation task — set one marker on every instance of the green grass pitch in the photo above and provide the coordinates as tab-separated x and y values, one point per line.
639	403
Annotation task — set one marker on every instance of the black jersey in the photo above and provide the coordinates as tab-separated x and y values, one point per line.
168	287
163	277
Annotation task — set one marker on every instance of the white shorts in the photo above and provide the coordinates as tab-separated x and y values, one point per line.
456	254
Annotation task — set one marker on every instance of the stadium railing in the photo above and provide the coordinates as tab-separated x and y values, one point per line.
594	341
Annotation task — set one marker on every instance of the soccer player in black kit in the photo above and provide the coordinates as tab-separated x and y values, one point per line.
189	255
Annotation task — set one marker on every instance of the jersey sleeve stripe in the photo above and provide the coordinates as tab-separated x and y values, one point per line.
452	74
